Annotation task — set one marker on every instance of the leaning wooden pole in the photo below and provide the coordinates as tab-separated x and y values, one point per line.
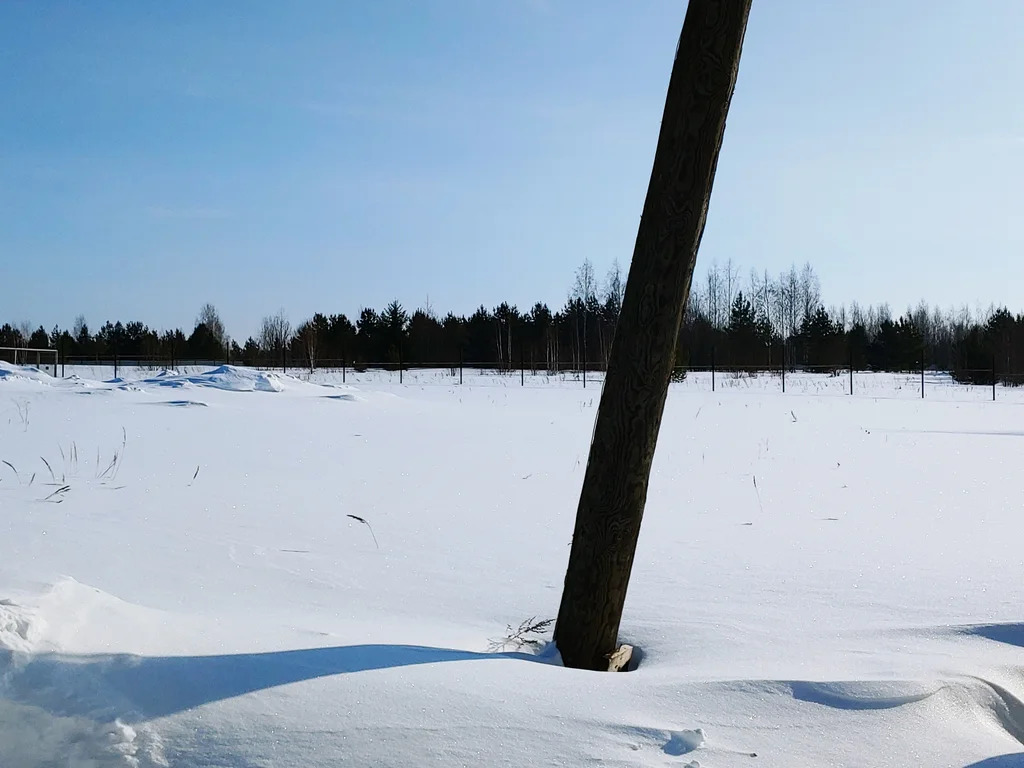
643	349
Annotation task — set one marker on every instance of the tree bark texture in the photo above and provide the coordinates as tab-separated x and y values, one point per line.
643	347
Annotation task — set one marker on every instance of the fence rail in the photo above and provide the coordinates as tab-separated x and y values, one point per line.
587	375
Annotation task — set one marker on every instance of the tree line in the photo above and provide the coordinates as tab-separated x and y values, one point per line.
760	322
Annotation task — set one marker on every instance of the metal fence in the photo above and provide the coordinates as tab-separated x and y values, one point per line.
586	376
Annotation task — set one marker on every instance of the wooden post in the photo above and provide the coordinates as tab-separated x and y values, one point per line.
993	378
922	373
462	355
783	366
614	490
712	369
851	370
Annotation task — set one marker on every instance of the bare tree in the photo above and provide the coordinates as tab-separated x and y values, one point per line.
713	296
839	315
922	318
791	290
275	332
24	330
209	317
760	296
882	313
643	353
857	315
730	285
584	290
810	294
614	286
309	335
611	307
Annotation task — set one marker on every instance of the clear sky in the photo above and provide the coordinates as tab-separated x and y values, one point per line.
323	155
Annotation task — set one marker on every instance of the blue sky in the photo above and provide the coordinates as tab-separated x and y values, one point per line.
328	155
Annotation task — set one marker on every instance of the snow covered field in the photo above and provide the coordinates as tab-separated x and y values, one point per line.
821	580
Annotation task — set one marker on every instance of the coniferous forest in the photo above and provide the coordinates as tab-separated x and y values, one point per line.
752	322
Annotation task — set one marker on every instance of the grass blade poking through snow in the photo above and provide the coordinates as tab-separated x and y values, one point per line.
124	444
58	496
369	527
15	471
757	491
53	477
110	473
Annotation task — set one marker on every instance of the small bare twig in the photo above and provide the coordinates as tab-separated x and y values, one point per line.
15	471
526	635
194	476
23	413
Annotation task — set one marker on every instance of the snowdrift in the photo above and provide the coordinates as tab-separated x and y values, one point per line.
24	373
226	377
325	576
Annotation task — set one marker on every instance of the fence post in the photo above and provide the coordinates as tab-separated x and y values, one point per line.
584	374
522	366
712	369
922	374
851	370
284	361
462	356
401	378
993	378
115	365
783	369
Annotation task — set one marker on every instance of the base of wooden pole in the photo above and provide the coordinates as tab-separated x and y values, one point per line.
618	660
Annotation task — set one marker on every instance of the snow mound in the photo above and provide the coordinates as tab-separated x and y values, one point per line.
23	372
57	709
226	377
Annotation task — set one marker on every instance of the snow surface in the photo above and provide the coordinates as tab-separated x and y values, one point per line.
821	580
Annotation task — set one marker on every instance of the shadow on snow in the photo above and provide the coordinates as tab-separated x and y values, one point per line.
153	687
